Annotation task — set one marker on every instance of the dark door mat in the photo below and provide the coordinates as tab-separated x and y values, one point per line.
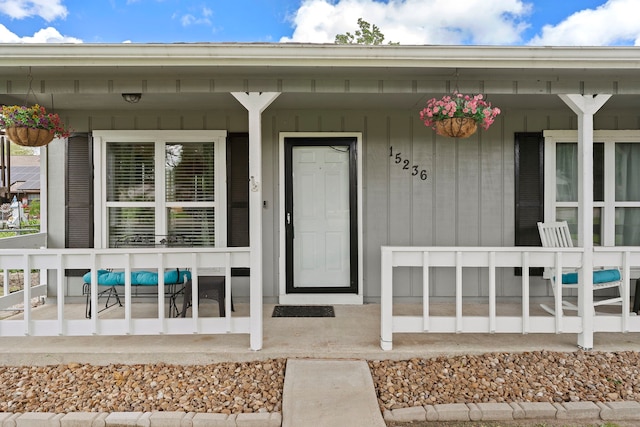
303	311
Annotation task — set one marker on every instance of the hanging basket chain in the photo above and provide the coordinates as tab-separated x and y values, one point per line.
30	89
31	126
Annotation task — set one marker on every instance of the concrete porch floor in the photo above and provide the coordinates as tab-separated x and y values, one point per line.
352	334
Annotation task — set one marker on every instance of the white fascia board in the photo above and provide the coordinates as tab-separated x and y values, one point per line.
318	55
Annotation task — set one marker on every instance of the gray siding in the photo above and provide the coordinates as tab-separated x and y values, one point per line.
467	200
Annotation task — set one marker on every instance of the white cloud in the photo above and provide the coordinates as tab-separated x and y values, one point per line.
414	21
46	9
45	35
189	19
615	22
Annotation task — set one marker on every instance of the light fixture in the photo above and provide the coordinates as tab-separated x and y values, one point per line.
132	98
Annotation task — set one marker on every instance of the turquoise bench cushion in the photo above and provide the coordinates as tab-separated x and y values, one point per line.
139	278
599	276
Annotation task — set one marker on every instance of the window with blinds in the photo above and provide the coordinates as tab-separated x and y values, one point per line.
189	172
191	200
127	221
198	224
190	191
131	189
616	192
130	172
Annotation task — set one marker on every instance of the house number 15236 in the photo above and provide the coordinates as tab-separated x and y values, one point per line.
405	163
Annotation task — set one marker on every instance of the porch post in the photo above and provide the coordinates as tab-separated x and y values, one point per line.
585	106
255	103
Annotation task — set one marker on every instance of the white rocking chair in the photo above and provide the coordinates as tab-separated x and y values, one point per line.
556	235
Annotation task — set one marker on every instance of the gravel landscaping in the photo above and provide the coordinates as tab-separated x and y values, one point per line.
234	388
229	388
542	376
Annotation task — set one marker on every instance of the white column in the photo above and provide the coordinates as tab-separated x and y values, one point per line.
255	103
585	106
386	299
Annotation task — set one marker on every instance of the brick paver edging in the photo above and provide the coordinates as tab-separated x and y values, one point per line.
570	411
139	419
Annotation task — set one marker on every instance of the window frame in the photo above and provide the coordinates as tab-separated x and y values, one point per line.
608	206
160	138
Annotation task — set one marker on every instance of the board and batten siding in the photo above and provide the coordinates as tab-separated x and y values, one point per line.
466	200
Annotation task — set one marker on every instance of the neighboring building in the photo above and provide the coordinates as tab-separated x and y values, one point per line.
325	140
22	174
25	178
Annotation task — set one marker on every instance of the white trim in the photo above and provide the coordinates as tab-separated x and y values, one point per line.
327	56
159	138
44	191
312	299
337	298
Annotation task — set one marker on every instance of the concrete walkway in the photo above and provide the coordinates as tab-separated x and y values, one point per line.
328	393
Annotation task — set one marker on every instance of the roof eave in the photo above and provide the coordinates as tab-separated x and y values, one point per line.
317	55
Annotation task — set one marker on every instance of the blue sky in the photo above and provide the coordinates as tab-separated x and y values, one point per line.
494	22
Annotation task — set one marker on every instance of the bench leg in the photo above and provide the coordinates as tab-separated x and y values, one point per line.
111	292
86	289
173	305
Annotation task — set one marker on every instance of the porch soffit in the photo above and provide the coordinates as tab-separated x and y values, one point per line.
195	76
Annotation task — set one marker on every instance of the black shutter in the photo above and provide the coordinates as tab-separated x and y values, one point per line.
529	191
79	195
238	194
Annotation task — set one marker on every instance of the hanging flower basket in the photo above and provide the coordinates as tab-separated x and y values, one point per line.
29	137
31	126
458	115
456	127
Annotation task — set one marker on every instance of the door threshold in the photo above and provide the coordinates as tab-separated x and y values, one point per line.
314	299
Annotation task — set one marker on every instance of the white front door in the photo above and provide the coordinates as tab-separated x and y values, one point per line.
320	205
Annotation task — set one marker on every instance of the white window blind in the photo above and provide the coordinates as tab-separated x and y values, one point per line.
128	221
189	173
190	191
130	172
131	186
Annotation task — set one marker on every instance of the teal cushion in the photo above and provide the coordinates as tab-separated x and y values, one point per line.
599	276
140	278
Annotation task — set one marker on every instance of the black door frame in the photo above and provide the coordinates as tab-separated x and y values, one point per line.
351	143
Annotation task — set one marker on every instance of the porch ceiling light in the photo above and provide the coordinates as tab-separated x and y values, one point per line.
132	98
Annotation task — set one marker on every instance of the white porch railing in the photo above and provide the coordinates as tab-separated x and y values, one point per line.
55	261
492	258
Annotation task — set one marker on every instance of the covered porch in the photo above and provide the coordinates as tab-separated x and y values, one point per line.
459	218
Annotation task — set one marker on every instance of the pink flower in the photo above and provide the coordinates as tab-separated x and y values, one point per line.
459	105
